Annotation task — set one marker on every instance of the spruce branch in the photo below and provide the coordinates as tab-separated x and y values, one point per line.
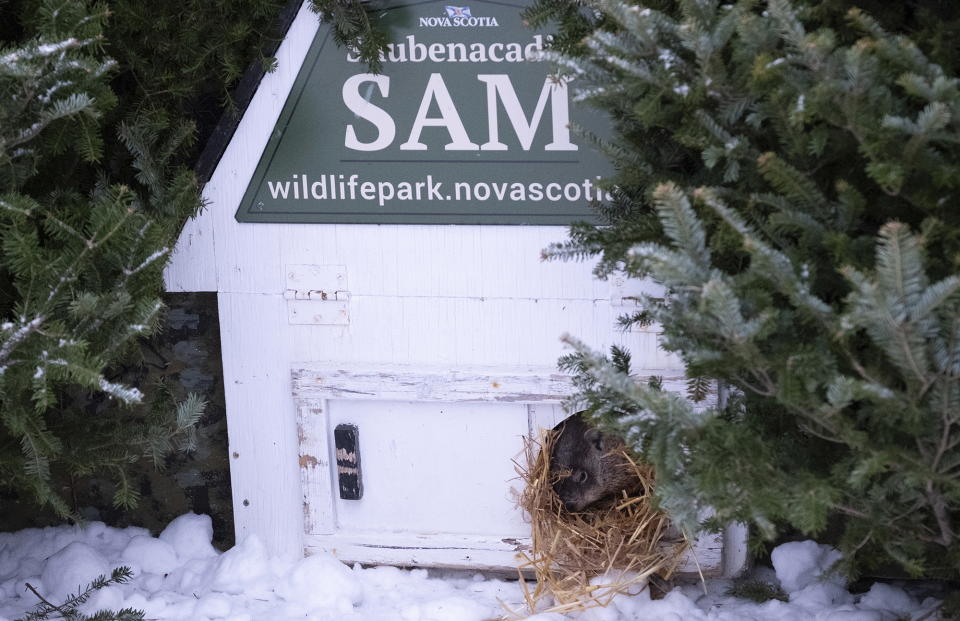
69	609
84	243
353	29
838	332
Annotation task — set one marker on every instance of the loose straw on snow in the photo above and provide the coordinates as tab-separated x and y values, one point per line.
583	560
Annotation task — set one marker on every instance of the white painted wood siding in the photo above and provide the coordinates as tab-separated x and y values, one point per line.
418	295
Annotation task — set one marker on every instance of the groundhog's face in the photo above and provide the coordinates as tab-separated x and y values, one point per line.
578	463
589	466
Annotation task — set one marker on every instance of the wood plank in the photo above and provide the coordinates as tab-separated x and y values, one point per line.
471	551
735	558
316	473
261	429
428	550
193	264
426	383
461	383
434	466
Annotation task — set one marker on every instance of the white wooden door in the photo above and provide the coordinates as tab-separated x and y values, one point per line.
433	467
438	448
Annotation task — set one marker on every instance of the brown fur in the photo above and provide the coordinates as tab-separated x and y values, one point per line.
589	466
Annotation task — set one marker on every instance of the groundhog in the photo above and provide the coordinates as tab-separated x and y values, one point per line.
590	465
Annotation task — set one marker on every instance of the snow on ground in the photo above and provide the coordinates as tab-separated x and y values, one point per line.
180	576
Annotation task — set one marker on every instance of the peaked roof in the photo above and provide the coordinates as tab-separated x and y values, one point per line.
218	140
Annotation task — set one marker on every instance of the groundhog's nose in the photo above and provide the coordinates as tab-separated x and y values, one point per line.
572	506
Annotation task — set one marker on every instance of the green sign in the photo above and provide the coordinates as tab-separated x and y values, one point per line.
464	126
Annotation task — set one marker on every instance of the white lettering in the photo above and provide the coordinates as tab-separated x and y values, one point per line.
386	129
499	84
478	53
449	118
398	53
532	50
383	187
410	50
278	188
418	51
456	52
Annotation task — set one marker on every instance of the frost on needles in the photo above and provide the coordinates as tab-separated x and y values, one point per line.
81	260
788	171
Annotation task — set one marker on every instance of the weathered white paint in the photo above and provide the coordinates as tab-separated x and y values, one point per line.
430	550
433	467
735	559
438	448
316	467
419	296
468	551
446	383
193	265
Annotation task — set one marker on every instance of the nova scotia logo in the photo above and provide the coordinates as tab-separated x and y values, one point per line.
458	11
457	16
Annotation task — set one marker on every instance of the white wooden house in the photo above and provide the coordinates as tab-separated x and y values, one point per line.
438	342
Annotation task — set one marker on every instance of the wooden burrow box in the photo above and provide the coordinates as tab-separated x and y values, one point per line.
433	346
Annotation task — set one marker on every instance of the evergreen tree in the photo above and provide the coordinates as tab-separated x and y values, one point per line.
788	171
97	133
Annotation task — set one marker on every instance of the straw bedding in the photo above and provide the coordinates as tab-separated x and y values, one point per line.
582	560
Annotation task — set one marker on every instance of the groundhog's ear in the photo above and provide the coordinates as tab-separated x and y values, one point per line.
595	438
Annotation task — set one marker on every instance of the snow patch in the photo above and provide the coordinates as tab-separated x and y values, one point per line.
241	568
179	576
150	555
107	598
71	569
321	581
191	536
888	598
213	607
801	563
457	608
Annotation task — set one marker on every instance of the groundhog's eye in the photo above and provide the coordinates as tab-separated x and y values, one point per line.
579	476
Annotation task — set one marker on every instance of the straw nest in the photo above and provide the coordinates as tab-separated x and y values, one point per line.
583	560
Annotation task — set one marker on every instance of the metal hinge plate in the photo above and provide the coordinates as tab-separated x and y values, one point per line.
317	295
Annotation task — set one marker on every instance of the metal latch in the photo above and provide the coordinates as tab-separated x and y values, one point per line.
346	439
317	294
